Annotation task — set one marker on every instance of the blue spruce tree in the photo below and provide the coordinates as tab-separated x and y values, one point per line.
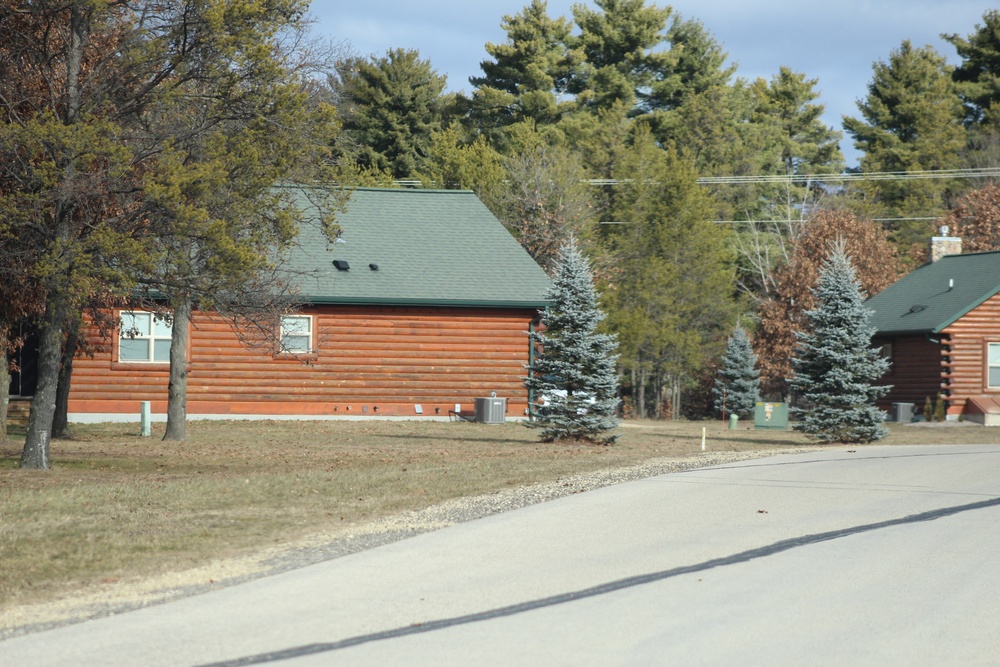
835	363
737	387
575	369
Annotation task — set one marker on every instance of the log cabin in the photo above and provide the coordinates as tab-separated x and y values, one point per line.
422	305
940	328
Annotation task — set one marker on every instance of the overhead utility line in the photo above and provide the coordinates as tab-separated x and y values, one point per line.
782	221
831	178
986	172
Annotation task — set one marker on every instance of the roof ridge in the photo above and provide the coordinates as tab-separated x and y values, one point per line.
367	188
968	254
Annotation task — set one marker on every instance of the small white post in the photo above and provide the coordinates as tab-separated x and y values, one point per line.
145	417
702	438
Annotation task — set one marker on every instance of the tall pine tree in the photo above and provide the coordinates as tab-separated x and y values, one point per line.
737	388
670	275
808	145
835	364
978	77
621	43
390	107
911	121
697	64
526	73
575	370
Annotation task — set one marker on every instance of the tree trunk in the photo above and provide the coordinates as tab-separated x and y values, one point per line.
632	391
675	392
659	399
60	420
4	381
35	454
177	388
640	400
57	306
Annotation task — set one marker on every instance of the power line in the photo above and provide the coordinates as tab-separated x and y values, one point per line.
804	179
987	172
863	176
755	222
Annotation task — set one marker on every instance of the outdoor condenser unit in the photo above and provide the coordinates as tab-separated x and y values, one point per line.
902	412
491	410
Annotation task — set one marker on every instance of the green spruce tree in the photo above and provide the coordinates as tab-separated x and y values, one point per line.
835	363
737	388
575	370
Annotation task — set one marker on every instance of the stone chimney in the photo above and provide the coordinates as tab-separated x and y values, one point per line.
945	245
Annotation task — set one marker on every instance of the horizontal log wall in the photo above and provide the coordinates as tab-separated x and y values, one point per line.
366	361
965	369
915	373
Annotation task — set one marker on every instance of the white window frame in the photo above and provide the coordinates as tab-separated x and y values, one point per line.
292	329
992	362
885	351
154	330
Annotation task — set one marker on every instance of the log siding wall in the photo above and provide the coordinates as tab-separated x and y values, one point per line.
915	373
964	367
367	361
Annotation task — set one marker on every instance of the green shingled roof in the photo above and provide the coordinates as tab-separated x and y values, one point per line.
935	295
432	247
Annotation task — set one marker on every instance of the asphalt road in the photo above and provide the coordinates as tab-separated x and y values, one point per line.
876	556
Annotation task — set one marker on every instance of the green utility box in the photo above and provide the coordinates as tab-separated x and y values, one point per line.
771	416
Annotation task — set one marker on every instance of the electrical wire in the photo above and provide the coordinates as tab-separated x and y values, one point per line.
986	172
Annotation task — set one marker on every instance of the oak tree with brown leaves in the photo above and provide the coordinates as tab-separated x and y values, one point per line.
874	258
976	219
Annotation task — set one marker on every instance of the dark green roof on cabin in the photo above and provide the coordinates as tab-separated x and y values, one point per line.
431	247
936	295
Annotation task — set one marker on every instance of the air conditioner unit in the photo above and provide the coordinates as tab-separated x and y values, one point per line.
491	410
902	412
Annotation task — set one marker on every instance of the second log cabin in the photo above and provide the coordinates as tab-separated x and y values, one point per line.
940	328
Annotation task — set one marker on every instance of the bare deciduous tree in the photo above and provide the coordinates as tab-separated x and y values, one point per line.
544	201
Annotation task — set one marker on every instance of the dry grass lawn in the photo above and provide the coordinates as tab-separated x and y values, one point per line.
117	505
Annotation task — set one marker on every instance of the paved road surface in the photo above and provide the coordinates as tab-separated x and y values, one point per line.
878	556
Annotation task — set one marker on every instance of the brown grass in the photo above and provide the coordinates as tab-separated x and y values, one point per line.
118	505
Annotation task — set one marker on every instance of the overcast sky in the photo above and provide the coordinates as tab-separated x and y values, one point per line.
835	41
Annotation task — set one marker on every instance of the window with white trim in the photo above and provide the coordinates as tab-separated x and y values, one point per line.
143	338
885	351
296	334
993	366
